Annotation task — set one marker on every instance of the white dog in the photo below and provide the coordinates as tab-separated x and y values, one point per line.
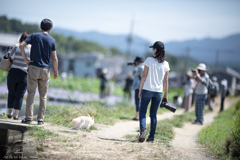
82	122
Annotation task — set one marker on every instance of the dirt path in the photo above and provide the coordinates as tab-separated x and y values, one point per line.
184	142
120	129
108	142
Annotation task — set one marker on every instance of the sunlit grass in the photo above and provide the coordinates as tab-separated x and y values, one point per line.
215	135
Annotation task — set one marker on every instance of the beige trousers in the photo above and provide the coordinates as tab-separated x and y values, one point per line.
187	102
37	76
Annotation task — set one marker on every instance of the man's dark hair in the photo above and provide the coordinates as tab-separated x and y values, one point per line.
46	24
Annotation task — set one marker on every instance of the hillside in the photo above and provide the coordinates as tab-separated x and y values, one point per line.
205	50
139	45
201	50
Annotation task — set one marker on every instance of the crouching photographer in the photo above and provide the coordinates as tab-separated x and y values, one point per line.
137	74
201	91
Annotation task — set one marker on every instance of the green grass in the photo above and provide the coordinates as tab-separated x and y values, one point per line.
234	148
88	85
92	85
237	107
41	135
164	133
69	132
63	115
179	120
3	115
164	130
215	135
3	76
102	114
172	91
84	85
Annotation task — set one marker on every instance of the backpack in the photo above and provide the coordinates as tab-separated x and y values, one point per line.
227	93
212	89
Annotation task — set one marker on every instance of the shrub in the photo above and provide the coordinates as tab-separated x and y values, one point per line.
235	148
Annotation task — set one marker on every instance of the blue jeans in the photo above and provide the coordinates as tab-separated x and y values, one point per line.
155	98
17	86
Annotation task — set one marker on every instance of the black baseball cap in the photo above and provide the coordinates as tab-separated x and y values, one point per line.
139	59
157	44
46	24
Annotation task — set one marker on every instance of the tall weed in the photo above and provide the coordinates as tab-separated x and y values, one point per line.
235	149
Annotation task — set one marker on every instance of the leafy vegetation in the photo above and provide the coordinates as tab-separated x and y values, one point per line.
16	26
72	45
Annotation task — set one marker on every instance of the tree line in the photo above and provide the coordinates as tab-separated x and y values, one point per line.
65	45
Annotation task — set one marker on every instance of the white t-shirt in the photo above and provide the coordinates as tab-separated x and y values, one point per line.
156	73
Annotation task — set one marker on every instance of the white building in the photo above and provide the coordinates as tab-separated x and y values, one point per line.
7	39
82	65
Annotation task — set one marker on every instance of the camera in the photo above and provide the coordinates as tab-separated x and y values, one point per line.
168	107
193	70
131	63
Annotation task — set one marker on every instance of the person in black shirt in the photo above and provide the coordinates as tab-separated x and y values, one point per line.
128	86
103	83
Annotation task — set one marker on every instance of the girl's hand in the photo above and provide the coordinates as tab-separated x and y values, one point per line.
140	94
166	98
196	71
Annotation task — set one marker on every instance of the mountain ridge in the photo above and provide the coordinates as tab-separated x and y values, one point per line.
203	50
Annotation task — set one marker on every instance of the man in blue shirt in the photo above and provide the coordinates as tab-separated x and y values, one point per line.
43	46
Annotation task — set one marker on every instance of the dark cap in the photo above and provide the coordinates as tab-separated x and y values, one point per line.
157	44
139	59
46	24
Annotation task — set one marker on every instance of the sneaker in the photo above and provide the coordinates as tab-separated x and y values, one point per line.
197	123
26	121
142	135
9	116
40	121
150	139
135	119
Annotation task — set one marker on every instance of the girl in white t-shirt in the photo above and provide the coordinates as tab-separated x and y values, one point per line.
154	79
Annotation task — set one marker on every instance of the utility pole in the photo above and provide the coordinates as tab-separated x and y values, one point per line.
187	59
217	59
130	37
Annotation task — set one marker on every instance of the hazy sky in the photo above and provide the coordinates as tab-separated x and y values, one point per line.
154	19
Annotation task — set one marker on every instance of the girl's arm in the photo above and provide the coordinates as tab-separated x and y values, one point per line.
165	85
13	52
144	76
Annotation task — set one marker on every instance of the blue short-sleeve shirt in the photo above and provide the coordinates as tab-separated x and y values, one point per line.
42	46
